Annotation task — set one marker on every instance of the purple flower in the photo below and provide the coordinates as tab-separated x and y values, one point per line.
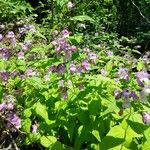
73	68
123	74
20	55
10	34
4	75
73	48
144	93
110	54
3	106
134	95
30	72
141	77
86	50
146	118
31	28
60	68
126	94
5	53
65	33
85	65
54	43
34	128
22	30
52	68
10	106
92	56
13	120
27	45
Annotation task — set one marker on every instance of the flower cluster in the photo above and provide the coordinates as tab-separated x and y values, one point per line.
127	96
26	28
123	74
13	122
5	53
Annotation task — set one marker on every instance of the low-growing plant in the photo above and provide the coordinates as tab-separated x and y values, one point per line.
74	92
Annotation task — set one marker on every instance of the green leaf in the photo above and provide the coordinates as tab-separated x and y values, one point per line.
113	139
96	134
84	117
136	123
26	124
140	65
146	145
94	107
83	18
47	141
35	82
41	111
57	146
109	66
61	2
76	39
27	113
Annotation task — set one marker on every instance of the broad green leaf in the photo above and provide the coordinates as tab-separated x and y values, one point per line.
94	107
47	141
147	133
146	145
113	139
41	111
26	125
136	123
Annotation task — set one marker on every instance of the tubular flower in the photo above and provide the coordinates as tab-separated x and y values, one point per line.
146	118
123	74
